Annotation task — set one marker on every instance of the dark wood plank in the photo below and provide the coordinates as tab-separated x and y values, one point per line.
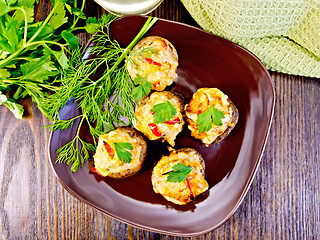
282	203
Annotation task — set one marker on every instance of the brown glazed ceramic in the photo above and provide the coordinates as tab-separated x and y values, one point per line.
205	60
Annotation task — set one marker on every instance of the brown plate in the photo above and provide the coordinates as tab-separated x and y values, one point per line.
205	60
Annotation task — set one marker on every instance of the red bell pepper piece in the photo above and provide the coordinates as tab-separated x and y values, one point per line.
149	60
154	129
156	84
191	192
93	169
109	149
172	122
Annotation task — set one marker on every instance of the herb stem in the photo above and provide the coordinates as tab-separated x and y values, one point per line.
25	23
8	59
88	75
77	138
148	24
167	172
46	42
44	22
80	124
75	20
75	4
78	28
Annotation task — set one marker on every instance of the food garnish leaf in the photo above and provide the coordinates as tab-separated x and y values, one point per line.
163	112
74	155
4	8
143	89
209	117
58	18
92	25
4	73
10	32
179	173
28	10
61	58
71	39
14	107
77	12
38	68
122	150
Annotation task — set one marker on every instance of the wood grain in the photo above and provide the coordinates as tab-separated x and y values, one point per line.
282	203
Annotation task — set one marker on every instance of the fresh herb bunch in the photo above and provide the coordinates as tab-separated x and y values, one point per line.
105	99
32	53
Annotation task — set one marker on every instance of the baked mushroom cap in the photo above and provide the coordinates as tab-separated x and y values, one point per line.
185	191
200	102
145	117
106	159
156	59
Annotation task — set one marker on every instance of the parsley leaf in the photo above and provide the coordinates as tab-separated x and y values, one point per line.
122	150
28	10
4	73
209	117
38	69
71	39
10	34
4	8
143	89
179	173
61	58
58	18
163	112
14	107
92	25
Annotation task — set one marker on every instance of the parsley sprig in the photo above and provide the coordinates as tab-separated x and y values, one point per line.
123	151
143	89
209	117
179	173
163	112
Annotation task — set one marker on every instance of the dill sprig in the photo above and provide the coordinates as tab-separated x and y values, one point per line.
103	90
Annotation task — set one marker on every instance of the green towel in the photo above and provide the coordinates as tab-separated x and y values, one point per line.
283	34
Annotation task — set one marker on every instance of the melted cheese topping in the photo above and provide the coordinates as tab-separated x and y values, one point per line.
200	102
144	116
179	193
107	161
160	67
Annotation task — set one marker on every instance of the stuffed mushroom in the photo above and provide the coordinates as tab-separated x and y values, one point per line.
180	177
211	115
155	59
120	153
159	116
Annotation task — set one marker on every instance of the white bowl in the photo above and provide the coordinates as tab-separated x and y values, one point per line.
129	7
